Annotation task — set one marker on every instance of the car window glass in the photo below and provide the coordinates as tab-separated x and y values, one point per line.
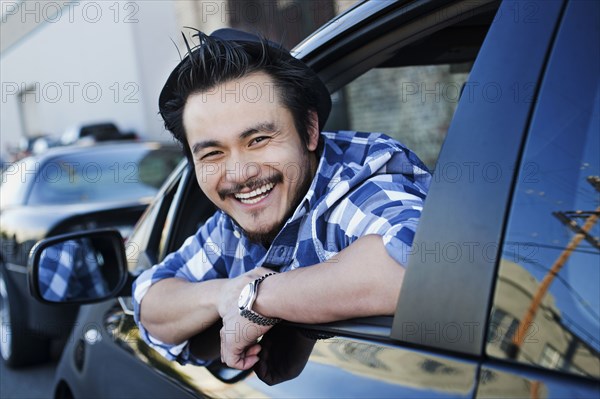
546	309
412	104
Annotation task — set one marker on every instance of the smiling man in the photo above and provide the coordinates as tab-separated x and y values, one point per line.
253	166
312	226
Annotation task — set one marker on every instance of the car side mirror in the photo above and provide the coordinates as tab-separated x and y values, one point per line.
78	268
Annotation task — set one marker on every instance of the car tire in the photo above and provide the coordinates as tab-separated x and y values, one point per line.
19	346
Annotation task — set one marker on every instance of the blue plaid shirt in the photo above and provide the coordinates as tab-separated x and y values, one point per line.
366	183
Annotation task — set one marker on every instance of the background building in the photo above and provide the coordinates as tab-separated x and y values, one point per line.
66	64
69	63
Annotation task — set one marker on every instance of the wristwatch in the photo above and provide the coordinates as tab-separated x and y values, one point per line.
246	300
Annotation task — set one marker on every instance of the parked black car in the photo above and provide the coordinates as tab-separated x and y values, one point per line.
501	293
65	190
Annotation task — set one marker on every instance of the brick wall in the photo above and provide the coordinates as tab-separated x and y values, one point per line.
412	104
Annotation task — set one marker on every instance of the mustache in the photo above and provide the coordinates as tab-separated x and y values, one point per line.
250	184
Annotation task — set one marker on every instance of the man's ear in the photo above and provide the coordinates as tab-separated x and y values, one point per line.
313	131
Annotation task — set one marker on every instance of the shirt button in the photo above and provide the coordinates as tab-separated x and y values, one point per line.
280	251
236	234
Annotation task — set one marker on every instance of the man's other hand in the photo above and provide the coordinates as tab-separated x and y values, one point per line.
239	340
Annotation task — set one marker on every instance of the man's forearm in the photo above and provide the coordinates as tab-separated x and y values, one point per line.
173	310
362	280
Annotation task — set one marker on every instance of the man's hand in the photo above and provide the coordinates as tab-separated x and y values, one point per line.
239	336
239	340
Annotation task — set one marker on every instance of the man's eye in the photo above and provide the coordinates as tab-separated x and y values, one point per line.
210	155
259	139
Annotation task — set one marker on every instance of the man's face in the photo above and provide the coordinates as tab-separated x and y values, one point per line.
249	158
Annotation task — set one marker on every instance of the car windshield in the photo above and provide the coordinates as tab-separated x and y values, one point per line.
127	173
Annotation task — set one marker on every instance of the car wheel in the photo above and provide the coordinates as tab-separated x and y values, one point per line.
18	346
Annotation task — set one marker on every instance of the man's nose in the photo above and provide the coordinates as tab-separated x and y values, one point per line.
240	168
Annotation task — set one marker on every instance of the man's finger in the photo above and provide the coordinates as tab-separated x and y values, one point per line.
243	361
254	350
247	362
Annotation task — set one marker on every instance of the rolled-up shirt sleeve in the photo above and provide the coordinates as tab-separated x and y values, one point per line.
395	220
200	258
387	204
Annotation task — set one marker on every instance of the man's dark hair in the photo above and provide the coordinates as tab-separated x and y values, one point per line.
215	61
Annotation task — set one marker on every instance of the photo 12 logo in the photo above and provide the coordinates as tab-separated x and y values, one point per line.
73	172
54	92
71	11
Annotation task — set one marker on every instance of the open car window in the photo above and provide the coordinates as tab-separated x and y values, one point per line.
412	104
411	95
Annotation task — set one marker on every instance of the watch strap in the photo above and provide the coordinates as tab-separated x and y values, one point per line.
254	317
258	319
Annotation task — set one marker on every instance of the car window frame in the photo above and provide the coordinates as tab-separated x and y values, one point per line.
404	23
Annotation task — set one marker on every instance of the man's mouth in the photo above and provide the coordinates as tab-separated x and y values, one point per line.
255	195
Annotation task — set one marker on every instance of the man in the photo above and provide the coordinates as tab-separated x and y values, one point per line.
249	117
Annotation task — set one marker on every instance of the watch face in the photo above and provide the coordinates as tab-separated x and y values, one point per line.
244	296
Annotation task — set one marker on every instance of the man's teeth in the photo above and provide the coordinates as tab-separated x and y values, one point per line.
259	193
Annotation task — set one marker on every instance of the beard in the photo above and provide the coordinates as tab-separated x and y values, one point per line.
265	235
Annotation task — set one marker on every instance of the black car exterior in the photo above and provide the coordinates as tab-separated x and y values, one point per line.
64	190
500	294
